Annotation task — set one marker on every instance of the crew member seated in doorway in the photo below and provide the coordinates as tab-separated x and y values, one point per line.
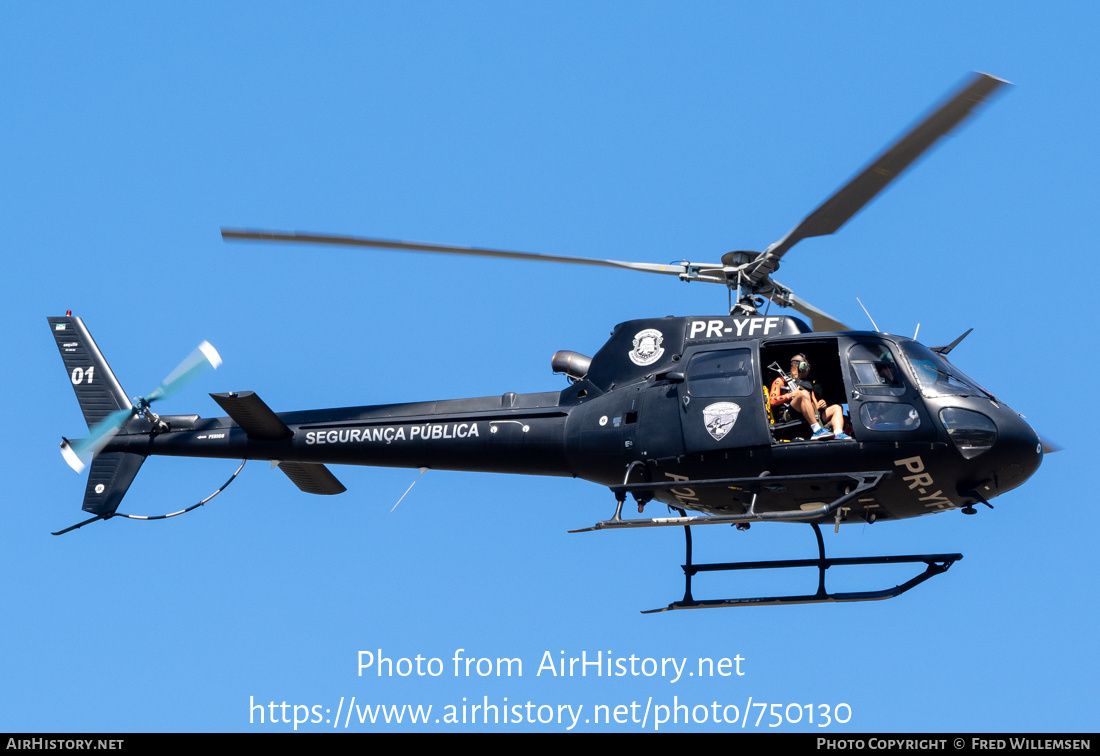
800	394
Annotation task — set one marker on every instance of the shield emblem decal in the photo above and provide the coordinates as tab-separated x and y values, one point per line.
719	418
647	347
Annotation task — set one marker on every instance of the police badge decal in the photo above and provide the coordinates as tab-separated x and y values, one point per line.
719	418
647	347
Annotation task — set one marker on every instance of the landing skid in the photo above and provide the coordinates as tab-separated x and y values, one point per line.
936	565
854	484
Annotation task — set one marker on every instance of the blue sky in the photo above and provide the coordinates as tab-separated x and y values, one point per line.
637	131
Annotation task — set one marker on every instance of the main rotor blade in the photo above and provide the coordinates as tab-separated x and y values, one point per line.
683	270
205	356
850	199
821	321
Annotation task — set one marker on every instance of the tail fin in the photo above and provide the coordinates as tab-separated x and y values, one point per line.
99	394
96	387
110	477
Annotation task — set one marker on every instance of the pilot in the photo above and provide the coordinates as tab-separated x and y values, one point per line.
803	400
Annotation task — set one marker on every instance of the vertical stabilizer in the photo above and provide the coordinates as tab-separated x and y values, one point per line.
96	387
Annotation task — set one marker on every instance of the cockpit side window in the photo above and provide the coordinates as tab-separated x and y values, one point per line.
874	370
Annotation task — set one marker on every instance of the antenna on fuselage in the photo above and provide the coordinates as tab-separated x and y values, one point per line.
869	315
422	471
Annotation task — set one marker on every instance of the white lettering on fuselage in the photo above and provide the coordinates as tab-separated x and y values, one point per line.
686	496
717	329
390	433
922	481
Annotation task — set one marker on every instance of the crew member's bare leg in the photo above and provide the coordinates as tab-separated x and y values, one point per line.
803	404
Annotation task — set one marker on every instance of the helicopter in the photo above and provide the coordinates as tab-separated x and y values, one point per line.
674	410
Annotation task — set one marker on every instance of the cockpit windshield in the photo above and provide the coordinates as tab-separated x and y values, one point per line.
938	377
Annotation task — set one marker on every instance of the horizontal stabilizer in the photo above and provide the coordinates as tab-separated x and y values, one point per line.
312	478
108	480
253	416
259	422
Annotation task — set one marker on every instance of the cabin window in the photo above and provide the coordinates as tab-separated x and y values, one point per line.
723	373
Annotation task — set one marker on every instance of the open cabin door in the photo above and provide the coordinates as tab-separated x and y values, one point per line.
721	403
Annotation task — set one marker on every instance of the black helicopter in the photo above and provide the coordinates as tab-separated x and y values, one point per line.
675	410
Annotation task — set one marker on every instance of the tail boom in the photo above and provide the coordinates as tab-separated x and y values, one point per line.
475	435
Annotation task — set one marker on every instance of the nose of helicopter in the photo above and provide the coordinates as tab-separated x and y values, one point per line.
1019	451
1001	450
1014	457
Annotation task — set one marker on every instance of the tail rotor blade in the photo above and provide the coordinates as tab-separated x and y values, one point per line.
203	358
76	453
72	459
